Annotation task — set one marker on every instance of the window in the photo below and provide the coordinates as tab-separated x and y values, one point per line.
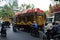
49	20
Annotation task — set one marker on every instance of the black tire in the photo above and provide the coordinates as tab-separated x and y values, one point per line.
44	37
3	35
14	28
37	34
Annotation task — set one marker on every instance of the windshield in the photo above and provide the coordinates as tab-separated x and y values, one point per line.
49	20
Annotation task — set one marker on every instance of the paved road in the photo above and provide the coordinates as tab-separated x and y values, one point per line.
18	36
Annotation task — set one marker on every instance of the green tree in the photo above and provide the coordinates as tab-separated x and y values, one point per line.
26	6
6	12
14	5
23	7
57	0
46	12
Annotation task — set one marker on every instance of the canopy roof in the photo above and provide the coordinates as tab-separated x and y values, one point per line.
29	11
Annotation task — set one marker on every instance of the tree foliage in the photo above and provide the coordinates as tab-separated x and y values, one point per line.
15	4
26	6
57	0
6	12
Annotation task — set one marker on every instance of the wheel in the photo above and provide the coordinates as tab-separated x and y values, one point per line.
4	35
37	34
32	33
14	28
44	37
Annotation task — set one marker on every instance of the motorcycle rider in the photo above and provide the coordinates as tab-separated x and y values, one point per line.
35	29
56	30
3	30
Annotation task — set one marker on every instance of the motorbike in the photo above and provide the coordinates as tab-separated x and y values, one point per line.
3	32
51	36
34	32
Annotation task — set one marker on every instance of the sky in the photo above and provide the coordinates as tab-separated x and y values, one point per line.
2	3
42	4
